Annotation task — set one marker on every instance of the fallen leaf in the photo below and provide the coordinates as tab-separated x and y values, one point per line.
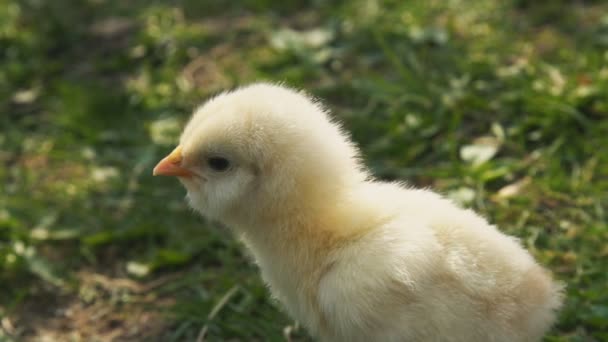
513	189
482	150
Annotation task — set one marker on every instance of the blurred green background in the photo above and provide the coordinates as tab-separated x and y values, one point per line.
500	105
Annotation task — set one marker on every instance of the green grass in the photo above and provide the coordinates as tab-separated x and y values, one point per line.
502	105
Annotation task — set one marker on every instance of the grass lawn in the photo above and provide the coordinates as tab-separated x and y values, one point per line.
501	105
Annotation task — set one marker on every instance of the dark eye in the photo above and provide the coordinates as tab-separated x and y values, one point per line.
218	163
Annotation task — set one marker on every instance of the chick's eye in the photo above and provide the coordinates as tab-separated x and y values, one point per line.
218	163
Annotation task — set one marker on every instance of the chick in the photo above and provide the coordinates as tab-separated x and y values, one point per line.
350	257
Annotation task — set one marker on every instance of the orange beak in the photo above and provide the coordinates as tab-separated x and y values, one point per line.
171	165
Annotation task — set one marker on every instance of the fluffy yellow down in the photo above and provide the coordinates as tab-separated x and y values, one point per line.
350	257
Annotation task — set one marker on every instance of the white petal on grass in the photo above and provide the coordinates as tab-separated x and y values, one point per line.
5	215
498	131
19	247
10	258
39	233
513	188
287	39
584	91
25	96
558	82
322	55
138	269
412	120
165	131
55	234
462	195
88	153
103	174
482	150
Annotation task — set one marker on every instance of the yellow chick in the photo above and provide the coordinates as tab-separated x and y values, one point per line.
350	257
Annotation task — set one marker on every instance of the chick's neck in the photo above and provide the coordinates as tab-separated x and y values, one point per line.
304	233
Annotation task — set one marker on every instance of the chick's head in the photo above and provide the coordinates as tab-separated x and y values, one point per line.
261	152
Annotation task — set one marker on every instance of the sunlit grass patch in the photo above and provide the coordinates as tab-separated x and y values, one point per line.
501	106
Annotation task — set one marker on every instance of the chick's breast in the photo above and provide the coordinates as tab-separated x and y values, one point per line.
434	272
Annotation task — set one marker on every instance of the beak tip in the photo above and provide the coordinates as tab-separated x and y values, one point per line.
159	169
170	165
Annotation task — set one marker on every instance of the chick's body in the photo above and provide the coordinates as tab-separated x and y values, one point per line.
352	258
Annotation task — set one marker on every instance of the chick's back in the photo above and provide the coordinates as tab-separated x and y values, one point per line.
432	271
